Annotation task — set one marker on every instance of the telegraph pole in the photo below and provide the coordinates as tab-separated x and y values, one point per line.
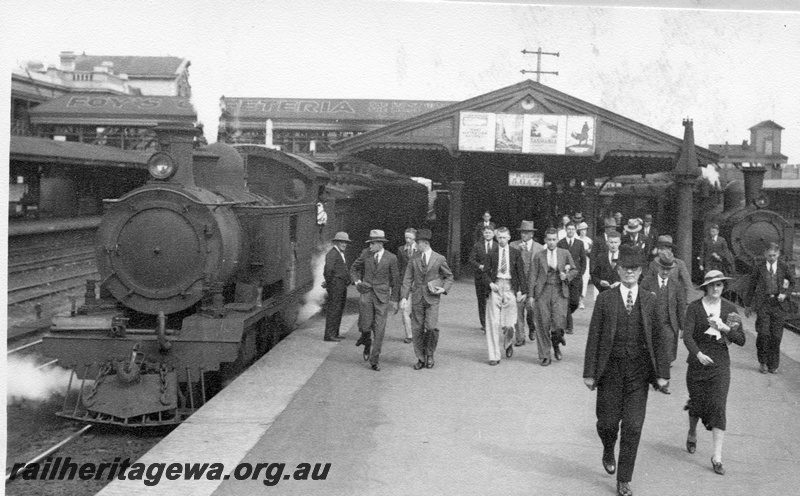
539	70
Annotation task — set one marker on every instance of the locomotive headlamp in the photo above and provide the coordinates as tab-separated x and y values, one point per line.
162	166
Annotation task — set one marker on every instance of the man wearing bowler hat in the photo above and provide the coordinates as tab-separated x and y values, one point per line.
377	278
337	278
426	278
671	299
527	248
625	352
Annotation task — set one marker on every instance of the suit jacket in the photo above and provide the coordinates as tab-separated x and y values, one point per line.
335	267
757	294
578	252
516	268
639	242
527	255
403	257
383	277
603	326
673	301
539	268
651	240
680	273
603	271
694	335
478	257
415	279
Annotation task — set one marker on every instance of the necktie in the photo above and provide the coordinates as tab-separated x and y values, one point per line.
629	302
663	284
424	262
503	262
569	243
376	258
551	259
772	269
613	262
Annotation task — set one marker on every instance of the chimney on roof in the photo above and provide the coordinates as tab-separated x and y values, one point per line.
68	61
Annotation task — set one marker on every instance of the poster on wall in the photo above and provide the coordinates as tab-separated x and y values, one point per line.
580	135
508	135
476	132
544	134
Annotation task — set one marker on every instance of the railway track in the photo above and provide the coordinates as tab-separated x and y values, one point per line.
41	456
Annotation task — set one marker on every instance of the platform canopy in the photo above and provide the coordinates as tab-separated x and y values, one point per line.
114	110
527	127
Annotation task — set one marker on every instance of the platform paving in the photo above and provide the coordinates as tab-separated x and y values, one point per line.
465	427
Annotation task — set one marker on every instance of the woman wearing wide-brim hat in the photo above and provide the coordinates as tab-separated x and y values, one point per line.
711	324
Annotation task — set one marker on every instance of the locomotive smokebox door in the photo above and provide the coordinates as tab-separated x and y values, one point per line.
125	400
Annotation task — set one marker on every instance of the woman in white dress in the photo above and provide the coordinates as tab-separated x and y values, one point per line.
587	244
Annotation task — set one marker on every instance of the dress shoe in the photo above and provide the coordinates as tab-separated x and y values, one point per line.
519	343
493	362
419	365
664	389
532	335
367	350
376	367
429	361
545	362
407	340
360	340
718	469
773	371
762	368
691	443
624	489
609	463
557	354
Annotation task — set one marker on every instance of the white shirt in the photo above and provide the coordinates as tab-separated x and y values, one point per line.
662	282
379	255
342	254
569	241
552	259
624	292
487	245
503	252
426	256
772	268
611	257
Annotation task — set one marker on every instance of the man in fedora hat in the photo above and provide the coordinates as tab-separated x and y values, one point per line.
671	299
625	352
633	235
527	248
506	279
377	278
404	254
337	278
551	271
426	278
769	295
679	272
575	247
478	259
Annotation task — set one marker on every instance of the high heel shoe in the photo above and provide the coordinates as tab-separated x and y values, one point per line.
718	469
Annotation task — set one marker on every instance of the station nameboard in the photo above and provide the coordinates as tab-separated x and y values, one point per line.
526	179
527	133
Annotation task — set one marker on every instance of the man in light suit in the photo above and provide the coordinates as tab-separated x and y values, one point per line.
377	278
506	279
527	249
478	259
625	353
575	247
337	278
771	286
404	254
551	271
427	277
672	299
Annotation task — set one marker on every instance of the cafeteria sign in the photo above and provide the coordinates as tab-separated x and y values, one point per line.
541	134
526	179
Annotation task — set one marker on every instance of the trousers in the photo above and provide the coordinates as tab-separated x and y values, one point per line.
550	311
501	316
769	327
372	322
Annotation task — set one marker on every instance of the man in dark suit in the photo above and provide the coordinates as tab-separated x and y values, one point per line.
404	254
604	269
575	247
601	243
337	278
625	353
714	254
483	224
680	272
671	299
427	277
506	278
478	259
551	271
527	249
651	236
377	278
633	235
771	286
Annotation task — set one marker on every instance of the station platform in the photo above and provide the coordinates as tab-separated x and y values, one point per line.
465	427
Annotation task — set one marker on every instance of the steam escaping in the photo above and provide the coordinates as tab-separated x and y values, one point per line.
711	175
313	300
26	381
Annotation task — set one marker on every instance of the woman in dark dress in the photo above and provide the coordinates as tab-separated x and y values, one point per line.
711	323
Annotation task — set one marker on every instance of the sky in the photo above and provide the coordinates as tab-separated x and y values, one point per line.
725	69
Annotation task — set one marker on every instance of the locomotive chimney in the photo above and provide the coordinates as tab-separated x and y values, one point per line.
178	141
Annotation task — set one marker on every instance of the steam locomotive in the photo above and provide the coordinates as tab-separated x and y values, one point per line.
202	270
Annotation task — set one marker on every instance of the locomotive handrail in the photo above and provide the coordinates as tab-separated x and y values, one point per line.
177	192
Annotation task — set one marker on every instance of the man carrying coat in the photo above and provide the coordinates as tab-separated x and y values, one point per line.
625	353
377	278
427	277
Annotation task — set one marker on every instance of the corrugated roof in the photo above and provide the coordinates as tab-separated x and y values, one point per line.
133	65
42	149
